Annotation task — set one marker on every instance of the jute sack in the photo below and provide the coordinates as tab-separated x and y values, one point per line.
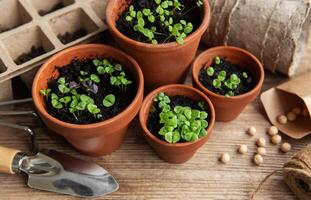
275	31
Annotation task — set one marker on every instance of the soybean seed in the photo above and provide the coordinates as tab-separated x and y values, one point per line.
243	149
282	119
261	142
273	130
225	158
251	131
297	110
277	139
286	147
291	116
258	159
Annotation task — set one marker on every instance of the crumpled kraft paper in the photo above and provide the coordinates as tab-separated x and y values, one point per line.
283	98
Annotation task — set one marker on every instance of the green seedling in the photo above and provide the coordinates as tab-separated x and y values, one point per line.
46	93
63	86
245	75
55	102
94	78
180	122
217	60
109	100
210	71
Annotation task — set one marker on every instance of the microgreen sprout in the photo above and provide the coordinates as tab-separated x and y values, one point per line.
210	71
63	86
109	100
245	75
164	12
217	60
55	102
180	122
90	86
46	93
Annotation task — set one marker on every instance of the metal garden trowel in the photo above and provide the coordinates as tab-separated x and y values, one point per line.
56	172
50	170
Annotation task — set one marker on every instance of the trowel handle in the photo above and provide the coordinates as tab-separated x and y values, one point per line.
7	156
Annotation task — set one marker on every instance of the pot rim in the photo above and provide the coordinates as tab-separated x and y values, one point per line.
36	95
196	65
151	96
200	30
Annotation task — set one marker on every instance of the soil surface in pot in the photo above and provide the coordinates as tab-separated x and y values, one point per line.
124	95
57	6
190	13
247	83
69	37
34	52
153	122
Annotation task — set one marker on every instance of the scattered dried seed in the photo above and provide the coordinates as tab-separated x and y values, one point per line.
291	116
243	149
277	139
251	131
261	151
273	130
286	147
261	142
297	110
282	119
225	158
258	159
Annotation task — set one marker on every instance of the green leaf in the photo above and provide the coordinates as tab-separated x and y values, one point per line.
128	18
146	11
101	70
45	92
92	108
109	100
210	71
180	40
217	60
56	104
245	75
118	67
95	78
65	99
61	80
97	62
217	83
63	89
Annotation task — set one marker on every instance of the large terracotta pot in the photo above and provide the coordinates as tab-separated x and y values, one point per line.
163	63
180	152
93	139
229	108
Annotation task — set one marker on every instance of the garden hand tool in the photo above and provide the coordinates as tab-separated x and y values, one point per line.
51	170
56	172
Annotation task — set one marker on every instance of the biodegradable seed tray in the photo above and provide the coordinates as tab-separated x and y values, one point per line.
44	27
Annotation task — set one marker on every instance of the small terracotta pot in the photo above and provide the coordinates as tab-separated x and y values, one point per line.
229	108
163	63
93	139
180	152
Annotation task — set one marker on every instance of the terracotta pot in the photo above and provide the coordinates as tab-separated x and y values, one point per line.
229	108
163	63
180	152
93	139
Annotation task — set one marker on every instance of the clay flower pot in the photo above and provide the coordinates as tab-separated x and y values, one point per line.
179	152
229	108
163	63
93	139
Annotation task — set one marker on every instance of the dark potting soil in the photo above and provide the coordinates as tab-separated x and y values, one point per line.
71	72
69	37
246	85
153	124
57	6
191	13
34	52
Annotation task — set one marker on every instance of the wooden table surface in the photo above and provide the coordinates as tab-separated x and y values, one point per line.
142	175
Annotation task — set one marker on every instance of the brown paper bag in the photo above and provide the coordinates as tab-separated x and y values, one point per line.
283	99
